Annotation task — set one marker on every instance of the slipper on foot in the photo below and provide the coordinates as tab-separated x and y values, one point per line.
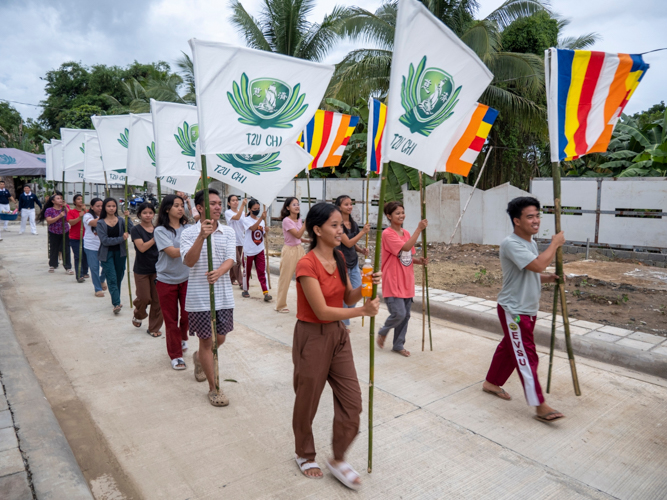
500	394
543	418
305	464
178	364
345	474
153	334
218	398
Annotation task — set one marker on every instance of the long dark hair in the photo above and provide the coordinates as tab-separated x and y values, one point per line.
103	213
144	206
318	214
41	218
74	199
92	202
163	212
251	204
229	198
284	212
354	227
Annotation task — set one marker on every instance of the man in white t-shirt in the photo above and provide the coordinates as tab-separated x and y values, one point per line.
233	216
253	248
198	300
518	302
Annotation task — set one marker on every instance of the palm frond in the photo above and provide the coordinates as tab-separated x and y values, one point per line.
361	74
516	109
249	27
373	27
184	64
511	10
320	38
483	37
579	42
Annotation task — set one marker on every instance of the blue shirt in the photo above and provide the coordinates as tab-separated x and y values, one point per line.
4	196
28	201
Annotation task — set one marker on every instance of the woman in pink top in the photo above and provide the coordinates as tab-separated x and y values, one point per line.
293	229
398	285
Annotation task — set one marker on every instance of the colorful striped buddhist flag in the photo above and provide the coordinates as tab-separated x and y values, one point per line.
470	136
586	94
326	136
377	118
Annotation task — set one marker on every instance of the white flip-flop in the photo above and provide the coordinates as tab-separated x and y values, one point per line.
304	465
176	362
345	474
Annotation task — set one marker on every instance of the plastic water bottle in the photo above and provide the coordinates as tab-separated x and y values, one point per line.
367	279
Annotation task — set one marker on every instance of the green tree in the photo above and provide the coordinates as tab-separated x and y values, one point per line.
283	27
531	35
9	116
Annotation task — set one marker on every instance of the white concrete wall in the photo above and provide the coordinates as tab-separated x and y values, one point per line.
497	224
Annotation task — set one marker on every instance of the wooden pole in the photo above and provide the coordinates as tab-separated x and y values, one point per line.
553	337
64	250
159	192
308	184
211	287
126	207
267	247
424	252
421	205
368	213
376	268
106	185
79	278
555	169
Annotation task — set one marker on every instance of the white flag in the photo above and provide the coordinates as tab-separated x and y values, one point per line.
73	147
113	132
176	132
253	101
436	80
93	170
48	153
260	176
57	154
141	156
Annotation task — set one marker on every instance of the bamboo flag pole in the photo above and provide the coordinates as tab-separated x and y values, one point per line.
553	337
422	189
308	184
376	268
159	192
555	169
64	250
421	204
211	286
79	278
267	245
106	185
127	247
368	213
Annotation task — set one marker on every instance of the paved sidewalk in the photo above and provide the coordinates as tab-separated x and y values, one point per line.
437	435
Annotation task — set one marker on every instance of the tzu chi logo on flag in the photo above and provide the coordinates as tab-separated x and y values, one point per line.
253	164
428	96
187	138
267	102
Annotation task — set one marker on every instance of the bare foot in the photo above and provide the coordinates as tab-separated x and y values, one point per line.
496	390
380	341
404	352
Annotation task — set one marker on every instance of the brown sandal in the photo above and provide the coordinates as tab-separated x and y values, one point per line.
136	322
152	334
500	394
543	418
218	398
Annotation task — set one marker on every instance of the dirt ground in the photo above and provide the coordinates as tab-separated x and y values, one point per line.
615	292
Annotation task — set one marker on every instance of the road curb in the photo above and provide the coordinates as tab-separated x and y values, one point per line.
55	472
641	361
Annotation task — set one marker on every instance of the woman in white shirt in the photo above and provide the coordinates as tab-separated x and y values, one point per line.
253	248
234	216
91	245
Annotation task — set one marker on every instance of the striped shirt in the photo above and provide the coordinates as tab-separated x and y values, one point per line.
197	298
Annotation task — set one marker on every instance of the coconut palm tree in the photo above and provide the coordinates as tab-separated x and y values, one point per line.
161	88
518	78
283	27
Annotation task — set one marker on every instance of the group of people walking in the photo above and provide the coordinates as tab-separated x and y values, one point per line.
172	284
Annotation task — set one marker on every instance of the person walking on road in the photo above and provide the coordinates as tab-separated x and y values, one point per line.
112	255
144	271
91	246
74	217
55	214
518	302
253	248
5	198
348	246
293	229
27	202
233	216
172	277
194	251
321	348
398	289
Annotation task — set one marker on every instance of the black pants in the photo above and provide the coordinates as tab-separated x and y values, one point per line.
74	244
55	246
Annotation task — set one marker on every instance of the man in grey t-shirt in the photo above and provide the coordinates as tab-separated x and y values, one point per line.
518	302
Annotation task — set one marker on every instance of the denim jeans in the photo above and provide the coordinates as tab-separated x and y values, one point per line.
355	280
114	270
96	274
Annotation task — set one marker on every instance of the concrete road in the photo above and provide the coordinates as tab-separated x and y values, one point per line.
142	430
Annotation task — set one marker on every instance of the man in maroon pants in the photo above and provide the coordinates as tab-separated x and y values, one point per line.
518	302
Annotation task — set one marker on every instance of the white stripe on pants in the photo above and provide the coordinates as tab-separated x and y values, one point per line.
28	213
4	208
522	360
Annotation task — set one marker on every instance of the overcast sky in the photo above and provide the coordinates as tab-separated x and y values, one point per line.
39	35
